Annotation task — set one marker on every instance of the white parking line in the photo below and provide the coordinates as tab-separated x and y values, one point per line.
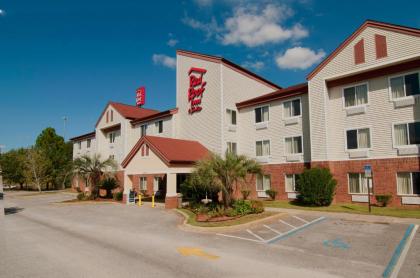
298	218
274	230
290	225
238	237
255	235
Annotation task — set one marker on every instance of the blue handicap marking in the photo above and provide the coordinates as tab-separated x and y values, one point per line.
336	243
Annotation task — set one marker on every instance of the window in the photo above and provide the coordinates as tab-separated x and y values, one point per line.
358	139
231	116
292	108
261	114
408	183
88	143
263	148
294	145
231	147
263	182
145	150
159	127
405	85
143	130
79	145
111	137
143	183
112	115
291	182
357	183
407	134
111	156
355	96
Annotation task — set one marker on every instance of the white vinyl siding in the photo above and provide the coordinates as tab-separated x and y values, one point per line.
231	116
408	183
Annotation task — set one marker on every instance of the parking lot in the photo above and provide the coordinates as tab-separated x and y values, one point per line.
42	238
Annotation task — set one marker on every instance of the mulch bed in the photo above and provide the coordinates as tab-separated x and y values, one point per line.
206	218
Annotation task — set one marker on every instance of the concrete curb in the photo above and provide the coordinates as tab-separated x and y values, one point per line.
350	216
191	228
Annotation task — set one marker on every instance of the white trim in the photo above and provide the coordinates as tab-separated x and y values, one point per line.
405	93
290	100
394	146
358	149
354	86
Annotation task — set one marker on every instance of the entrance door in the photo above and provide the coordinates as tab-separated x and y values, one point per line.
159	187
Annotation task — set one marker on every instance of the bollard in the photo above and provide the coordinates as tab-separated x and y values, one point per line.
139	200
153	200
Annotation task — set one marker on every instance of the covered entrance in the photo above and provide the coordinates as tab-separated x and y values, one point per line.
159	165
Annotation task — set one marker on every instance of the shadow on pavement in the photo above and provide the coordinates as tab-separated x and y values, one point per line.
12	210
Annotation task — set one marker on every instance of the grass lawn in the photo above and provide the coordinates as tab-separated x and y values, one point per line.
241	220
349	208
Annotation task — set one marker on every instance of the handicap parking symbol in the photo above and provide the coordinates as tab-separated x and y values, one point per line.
336	243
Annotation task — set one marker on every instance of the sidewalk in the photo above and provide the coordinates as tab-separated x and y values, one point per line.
350	216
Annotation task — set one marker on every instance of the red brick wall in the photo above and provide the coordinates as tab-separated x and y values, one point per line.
150	179
119	176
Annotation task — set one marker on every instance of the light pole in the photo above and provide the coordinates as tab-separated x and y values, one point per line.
65	124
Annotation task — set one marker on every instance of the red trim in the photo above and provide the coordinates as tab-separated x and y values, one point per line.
142	150
84	136
367	23
107	116
359	52
380	46
147	150
112	115
230	65
374	73
155	116
288	92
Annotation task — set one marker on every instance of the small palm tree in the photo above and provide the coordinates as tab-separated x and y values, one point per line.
93	169
229	171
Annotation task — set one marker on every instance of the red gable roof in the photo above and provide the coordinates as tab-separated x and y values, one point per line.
84	136
170	151
367	23
279	94
155	116
130	112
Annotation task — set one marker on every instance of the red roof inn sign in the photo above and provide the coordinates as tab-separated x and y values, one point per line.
196	89
140	96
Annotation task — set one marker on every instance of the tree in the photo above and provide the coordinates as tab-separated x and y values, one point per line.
37	168
58	156
228	172
13	166
93	169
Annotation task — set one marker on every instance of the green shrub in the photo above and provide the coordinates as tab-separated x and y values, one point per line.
109	184
117	196
383	200
316	187
231	212
272	193
245	193
242	207
81	196
257	206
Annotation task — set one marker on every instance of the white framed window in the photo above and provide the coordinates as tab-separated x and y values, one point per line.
408	183
406	134
263	182
355	95
292	108
261	114
159	127
231	147
231	116
111	156
404	85
357	183
79	145
358	139
88	142
293	145
111	137
290	182
262	148
143	130
143	183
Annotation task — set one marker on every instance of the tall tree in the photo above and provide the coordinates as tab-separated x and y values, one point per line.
37	168
13	166
93	169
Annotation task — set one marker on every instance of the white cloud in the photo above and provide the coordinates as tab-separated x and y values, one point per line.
2	12
299	58
256	65
209	28
172	42
204	3
164	60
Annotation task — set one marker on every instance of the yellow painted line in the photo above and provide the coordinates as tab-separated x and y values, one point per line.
194	251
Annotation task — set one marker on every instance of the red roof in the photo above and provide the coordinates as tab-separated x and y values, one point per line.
170	151
84	136
155	116
279	94
130	112
367	23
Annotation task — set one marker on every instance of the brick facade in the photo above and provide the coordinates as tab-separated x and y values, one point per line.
119	176
135	179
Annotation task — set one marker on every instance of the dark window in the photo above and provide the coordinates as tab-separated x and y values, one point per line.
412	84
258	116
160	126
351	139
233	117
350	96
416	182
88	143
414	131
296	107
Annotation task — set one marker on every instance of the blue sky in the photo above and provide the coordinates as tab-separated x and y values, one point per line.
69	58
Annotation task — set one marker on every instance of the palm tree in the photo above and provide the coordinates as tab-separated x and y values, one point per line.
229	171
93	169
